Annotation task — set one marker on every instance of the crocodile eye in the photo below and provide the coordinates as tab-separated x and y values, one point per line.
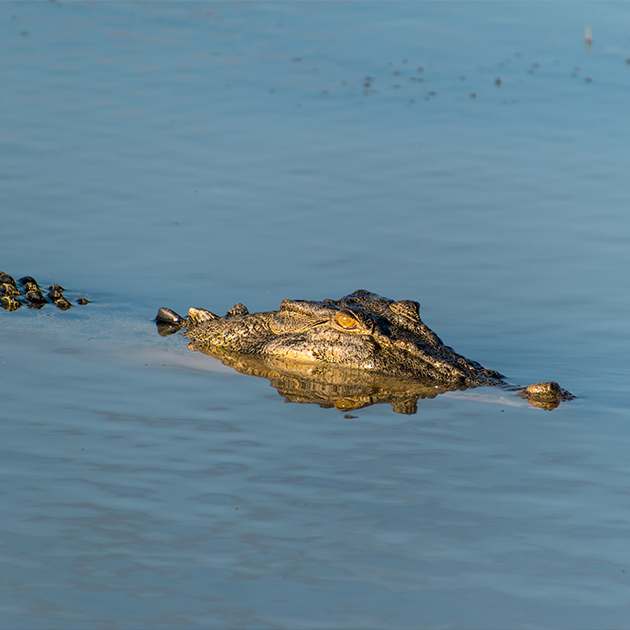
346	321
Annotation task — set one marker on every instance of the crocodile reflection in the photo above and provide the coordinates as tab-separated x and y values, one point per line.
345	389
349	353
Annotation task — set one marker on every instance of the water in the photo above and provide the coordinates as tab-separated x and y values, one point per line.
200	154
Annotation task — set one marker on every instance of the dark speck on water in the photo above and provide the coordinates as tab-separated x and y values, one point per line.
145	485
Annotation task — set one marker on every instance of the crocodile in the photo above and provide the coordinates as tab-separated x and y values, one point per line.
26	290
347	353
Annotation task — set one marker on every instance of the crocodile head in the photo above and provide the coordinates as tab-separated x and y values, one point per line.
346	353
360	331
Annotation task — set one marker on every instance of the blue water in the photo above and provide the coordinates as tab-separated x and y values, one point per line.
203	154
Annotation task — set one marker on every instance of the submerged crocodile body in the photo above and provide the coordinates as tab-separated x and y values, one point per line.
26	291
346	353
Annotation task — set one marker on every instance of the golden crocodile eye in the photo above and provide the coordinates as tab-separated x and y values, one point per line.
345	321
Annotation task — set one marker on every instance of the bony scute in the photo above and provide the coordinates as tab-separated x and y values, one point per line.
27	292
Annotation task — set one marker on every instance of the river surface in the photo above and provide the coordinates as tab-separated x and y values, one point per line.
473	157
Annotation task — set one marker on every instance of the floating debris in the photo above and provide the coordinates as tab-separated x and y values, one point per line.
588	35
